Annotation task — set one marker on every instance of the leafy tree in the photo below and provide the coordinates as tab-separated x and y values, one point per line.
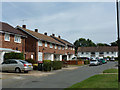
114	43
82	42
102	44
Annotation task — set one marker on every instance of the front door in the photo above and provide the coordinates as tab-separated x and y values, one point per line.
40	55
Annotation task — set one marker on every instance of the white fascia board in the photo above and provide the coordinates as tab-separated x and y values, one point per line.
13	34
36	37
7	49
27	32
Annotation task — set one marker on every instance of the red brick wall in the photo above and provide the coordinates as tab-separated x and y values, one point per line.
12	45
70	51
31	46
50	50
0	40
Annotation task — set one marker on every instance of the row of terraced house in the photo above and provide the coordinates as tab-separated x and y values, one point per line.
33	44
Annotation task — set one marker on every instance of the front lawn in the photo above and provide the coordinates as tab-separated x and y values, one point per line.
99	81
113	70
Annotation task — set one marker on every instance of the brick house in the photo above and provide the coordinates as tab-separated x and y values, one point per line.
11	40
69	48
43	47
101	51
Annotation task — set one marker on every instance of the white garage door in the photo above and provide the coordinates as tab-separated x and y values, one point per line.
1	57
40	56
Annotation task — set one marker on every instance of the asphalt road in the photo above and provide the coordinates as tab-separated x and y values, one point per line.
62	79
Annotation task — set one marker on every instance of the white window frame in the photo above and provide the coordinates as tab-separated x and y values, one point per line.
40	43
73	49
62	48
7	38
18	40
55	46
51	46
66	47
32	56
46	44
59	47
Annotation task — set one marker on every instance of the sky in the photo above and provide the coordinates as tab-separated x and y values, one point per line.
70	20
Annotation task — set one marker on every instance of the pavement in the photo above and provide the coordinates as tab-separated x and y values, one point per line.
56	79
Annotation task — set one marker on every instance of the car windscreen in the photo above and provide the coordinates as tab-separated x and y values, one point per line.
24	62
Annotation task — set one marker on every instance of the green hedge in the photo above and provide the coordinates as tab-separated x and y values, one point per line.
56	65
31	61
14	55
86	62
47	65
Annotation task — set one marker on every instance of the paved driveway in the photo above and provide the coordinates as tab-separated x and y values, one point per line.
60	79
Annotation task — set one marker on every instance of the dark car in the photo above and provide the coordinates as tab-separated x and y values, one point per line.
100	62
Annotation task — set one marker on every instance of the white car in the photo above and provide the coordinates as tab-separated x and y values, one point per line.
94	62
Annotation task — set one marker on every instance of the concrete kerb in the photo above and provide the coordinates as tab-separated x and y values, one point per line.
41	73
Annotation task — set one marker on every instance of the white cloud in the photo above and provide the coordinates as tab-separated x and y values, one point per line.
95	21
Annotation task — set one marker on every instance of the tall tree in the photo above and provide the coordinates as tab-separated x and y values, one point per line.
102	44
114	43
82	42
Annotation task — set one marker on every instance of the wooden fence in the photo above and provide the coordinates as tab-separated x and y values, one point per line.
74	62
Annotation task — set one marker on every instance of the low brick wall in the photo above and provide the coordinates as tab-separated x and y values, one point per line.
74	62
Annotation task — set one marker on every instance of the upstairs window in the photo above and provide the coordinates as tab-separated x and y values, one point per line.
55	46
59	47
62	48
101	53
51	46
73	48
17	39
66	47
92	52
7	37
45	44
39	43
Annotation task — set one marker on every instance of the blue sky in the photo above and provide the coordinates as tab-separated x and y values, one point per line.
70	20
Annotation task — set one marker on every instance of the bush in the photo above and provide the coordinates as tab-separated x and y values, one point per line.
31	61
35	66
14	55
86	62
47	65
56	65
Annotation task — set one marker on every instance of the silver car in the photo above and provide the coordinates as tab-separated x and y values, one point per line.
94	62
16	65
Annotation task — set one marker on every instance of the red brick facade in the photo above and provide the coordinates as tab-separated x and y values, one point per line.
13	45
32	48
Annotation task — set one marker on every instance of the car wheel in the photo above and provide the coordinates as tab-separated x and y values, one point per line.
25	71
17	70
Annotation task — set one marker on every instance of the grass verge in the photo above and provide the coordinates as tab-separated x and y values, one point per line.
98	81
113	70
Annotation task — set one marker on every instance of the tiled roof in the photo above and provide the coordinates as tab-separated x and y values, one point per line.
65	42
98	49
4	27
41	36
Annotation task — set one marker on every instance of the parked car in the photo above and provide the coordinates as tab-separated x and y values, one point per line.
16	65
103	61
94	62
100	62
112	59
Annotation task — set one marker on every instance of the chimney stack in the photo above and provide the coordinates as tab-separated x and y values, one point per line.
36	30
58	36
53	35
45	33
24	26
